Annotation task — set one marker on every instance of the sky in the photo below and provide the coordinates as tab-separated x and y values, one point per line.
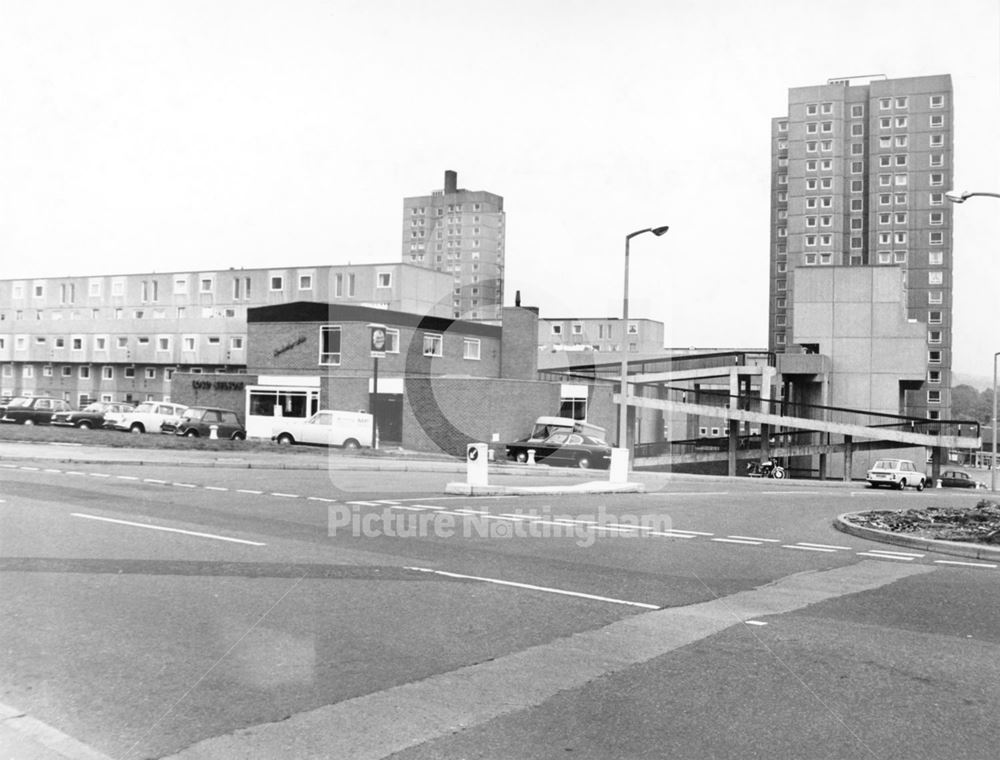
144	136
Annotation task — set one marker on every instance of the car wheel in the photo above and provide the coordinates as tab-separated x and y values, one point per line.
350	443
191	434
238	436
778	473
920	485
137	428
84	425
285	440
901	484
29	421
522	456
583	462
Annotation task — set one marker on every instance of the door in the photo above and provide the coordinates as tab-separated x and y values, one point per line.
389	417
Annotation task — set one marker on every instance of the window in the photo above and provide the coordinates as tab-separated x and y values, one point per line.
277	283
305	282
350	285
162	343
885	103
937	140
933	397
470	348
937	120
857	111
329	345
934	317
937	180
885	122
937	101
810	221
901	159
180	286
937	217
67	371
901	122
811	146
935	278
100	342
884	161
935	258
812	128
27	371
84	372
933	357
937	199
857	130
94	289
338	284
236	344
150	373
77	343
214	340
207	285
936	238
107	373
826	126
935	297
857	204
433	345
933	376
384	280
857	167
902	102
782	127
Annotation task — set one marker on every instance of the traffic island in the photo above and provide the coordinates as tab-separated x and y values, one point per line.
970	532
595	486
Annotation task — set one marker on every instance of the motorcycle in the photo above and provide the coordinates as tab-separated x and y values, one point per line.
766	469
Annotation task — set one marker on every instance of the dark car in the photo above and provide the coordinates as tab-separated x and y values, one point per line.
33	410
564	450
198	421
91	416
958	479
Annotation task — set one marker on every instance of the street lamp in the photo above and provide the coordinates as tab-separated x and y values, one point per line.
956	196
623	406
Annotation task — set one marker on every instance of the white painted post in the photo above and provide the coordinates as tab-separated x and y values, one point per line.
618	471
531	456
213	431
477	464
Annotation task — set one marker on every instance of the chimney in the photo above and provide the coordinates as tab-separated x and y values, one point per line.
450	182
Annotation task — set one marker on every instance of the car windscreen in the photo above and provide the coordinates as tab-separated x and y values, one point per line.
884	464
19	403
145	408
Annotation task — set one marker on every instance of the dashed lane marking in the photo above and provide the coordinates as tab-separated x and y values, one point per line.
169	530
321	498
964	564
284	495
99	475
216	488
532	587
825	546
886	556
895	553
736	541
126	477
755	538
184	485
152	480
249	490
34	469
808	548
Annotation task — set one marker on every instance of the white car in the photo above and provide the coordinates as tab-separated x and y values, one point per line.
328	427
145	418
896	473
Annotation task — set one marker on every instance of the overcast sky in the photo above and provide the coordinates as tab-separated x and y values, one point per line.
138	136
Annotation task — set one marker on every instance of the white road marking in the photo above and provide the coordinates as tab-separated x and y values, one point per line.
736	541
427	506
898	554
169	530
807	548
456	498
531	587
964	564
249	490
410	509
692	493
665	534
471	511
25	467
216	488
152	480
755	622
521	517
886	556
9	466
390	502
126	477
75	472
184	485
825	546
755	538
285	495
320	498
49	469
789	493
99	475
365	503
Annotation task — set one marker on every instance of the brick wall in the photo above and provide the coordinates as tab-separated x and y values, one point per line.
220	391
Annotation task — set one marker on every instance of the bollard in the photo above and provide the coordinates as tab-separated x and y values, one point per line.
937	483
476	464
531	456
213	431
618	470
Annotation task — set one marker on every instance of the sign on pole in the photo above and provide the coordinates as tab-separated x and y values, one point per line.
377	341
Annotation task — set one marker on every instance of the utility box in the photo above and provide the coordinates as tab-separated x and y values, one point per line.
618	470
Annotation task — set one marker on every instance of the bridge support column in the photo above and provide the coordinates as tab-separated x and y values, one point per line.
734	440
938	455
848	457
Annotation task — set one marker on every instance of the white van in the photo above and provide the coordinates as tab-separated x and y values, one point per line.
328	427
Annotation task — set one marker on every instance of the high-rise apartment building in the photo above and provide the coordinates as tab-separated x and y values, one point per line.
460	232
859	170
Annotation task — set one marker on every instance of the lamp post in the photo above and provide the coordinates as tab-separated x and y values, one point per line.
956	196
623	406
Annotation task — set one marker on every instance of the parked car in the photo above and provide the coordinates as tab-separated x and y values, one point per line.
147	417
198	421
958	479
33	410
328	427
564	449
91	416
896	473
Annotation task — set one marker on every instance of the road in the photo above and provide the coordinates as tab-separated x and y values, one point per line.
176	611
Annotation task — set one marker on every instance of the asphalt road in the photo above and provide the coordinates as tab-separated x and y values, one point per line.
210	612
